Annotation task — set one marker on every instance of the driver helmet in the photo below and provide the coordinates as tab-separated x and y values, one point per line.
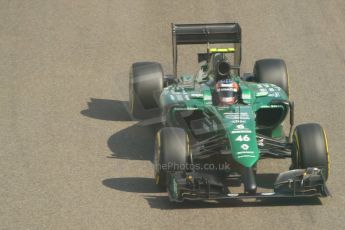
227	91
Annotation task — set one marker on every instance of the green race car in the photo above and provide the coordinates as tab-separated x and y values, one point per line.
217	123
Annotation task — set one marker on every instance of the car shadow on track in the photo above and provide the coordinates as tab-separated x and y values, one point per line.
266	180
135	142
161	201
109	110
132	184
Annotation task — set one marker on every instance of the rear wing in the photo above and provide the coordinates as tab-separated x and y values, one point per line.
212	33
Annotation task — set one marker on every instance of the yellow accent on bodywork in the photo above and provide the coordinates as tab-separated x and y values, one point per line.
221	50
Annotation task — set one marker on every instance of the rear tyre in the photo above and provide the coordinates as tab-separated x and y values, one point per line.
310	148
171	153
145	86
272	71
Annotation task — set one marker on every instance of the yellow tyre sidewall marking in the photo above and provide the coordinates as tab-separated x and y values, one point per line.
187	143
297	150
327	153
158	152
288	82
132	101
131	108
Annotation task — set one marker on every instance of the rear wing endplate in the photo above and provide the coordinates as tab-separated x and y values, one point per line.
212	33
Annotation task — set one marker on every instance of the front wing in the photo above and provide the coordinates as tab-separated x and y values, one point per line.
205	186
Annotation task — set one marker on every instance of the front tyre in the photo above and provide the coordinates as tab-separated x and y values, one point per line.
272	71
171	153
145	87
310	148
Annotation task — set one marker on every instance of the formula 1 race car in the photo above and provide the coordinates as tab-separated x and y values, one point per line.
217	123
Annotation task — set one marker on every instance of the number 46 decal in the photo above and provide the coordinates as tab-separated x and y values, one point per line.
243	138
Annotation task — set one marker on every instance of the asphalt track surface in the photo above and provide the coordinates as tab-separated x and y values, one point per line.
71	157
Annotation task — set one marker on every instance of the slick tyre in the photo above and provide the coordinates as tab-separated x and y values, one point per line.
310	148
171	153
145	86
272	71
